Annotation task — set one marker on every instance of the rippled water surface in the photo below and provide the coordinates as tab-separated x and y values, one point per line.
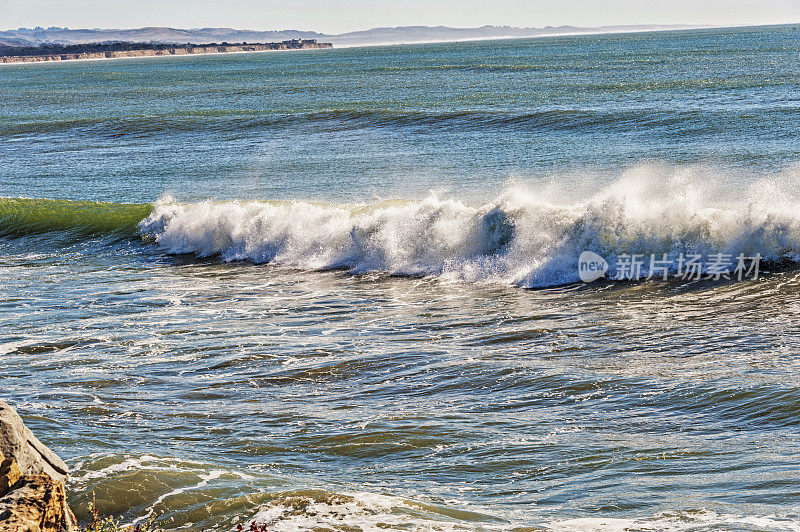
338	290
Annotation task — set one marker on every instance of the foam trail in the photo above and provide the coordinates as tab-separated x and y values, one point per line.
527	236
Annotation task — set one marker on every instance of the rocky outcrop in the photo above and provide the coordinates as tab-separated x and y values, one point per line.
36	503
9	475
32	456
32	497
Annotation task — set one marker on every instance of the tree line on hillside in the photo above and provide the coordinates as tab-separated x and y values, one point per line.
100	47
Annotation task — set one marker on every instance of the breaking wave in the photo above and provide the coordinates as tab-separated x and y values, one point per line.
528	236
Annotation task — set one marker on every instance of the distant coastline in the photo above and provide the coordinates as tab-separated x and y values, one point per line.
43	53
372	37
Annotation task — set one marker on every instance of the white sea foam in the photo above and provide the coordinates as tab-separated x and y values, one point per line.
370	511
128	464
694	521
319	510
204	480
529	236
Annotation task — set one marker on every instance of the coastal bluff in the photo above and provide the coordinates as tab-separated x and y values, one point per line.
119	50
32	477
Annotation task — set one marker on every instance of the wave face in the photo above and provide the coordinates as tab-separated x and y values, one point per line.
527	236
22	216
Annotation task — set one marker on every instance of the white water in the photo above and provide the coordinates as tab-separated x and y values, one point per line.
528	236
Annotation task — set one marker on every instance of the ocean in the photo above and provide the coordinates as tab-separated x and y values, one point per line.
342	289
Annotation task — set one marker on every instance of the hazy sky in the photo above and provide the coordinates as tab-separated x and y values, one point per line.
336	16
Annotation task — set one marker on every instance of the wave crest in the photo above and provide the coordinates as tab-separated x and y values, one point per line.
524	237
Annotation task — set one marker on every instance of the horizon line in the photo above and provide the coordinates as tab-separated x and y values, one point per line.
641	25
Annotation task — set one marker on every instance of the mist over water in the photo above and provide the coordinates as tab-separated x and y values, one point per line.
340	290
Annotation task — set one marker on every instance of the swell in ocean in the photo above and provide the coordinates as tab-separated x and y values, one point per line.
343	119
528	236
27	216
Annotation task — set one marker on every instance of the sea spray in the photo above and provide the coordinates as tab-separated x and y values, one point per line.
524	237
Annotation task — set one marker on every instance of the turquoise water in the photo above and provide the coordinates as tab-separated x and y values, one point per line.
338	289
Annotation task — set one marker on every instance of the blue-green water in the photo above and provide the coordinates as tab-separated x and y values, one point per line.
338	289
